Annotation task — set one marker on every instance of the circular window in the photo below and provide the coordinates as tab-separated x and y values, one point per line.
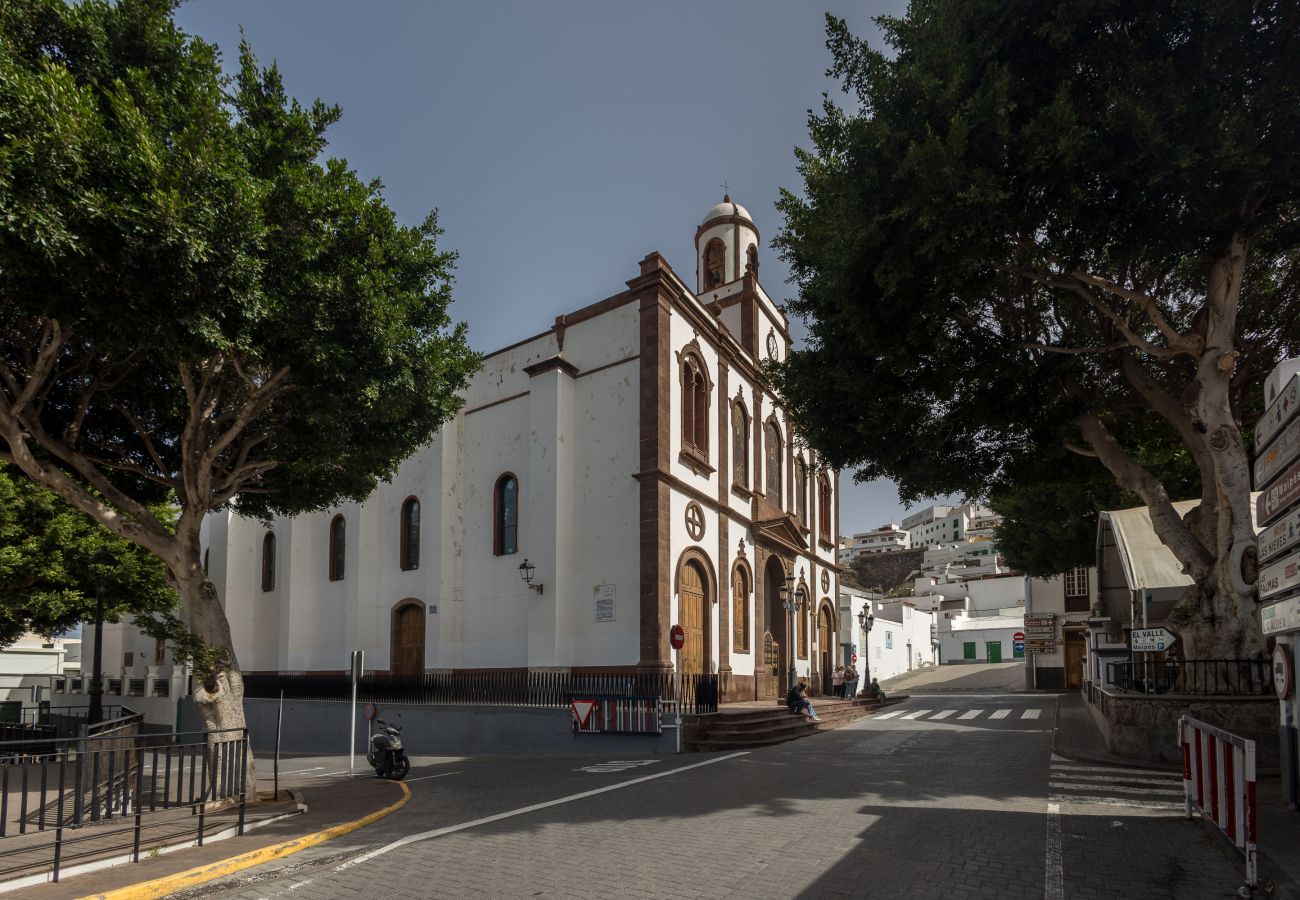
694	520
826	580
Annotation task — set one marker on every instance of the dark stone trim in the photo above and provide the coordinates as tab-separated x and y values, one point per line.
549	364
470	412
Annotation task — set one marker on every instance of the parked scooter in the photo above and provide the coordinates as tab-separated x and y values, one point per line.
385	752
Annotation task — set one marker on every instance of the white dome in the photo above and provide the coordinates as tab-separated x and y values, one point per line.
726	208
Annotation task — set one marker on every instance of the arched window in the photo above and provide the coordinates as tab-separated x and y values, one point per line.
268	561
772	461
338	547
739	445
801	489
715	263
824	507
751	259
801	617
695	406
409	549
740	609
505	530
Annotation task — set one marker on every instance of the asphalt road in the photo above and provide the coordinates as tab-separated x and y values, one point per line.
944	796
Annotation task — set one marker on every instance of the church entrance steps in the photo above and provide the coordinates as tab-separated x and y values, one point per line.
761	724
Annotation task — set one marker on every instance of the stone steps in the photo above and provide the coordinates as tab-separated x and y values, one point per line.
750	728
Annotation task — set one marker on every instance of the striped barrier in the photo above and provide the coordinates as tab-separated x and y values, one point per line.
617	715
1219	780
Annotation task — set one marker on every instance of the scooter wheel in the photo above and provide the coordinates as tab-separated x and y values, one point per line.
401	766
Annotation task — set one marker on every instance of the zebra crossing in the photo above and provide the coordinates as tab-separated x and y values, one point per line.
1079	786
938	715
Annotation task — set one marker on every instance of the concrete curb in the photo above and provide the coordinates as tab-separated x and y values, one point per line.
171	884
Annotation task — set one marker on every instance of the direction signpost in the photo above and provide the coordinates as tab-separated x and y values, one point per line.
1150	640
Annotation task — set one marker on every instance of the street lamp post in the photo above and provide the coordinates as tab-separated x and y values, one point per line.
788	604
98	563
866	620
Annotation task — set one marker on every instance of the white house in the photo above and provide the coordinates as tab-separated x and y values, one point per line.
31	665
903	634
979	619
887	537
627	460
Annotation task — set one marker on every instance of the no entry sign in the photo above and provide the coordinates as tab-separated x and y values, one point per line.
676	637
1018	636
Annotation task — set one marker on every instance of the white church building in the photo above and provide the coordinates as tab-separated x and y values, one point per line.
628	461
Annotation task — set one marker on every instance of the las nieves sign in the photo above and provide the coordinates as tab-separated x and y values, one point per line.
1280	537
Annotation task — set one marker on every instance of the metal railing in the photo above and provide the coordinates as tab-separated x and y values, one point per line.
66	786
1202	677
537	689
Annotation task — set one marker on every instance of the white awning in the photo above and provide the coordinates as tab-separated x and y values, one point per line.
1147	563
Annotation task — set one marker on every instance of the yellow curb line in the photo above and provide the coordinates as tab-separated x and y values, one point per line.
170	884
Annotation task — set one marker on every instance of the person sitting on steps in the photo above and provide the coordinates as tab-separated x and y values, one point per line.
873	691
798	702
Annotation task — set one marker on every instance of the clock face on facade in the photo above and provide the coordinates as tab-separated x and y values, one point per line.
771	345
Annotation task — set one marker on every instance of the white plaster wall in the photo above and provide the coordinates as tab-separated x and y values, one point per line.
486	622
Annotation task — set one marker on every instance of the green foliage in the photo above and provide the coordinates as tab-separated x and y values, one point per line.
240	319
195	301
1001	153
46	581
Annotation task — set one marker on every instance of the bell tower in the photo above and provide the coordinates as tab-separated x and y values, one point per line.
726	246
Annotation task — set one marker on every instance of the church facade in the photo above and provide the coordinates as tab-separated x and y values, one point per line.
622	471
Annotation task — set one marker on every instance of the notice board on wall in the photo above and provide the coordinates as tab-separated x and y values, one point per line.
604	597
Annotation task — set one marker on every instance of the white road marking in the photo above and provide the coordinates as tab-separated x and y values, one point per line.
1030	714
1116	801
943	714
970	714
1116	778
439	832
300	771
1117	771
917	714
889	715
1054	879
328	774
616	765
1117	788
426	777
1000	714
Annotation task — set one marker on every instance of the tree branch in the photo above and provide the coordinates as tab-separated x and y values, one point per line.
1169	526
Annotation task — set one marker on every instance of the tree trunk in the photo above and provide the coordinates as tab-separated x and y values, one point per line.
1221	624
218	695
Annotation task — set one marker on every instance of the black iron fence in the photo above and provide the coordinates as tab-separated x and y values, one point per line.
118	775
538	689
1203	677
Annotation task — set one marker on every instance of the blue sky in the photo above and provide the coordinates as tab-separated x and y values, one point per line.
561	141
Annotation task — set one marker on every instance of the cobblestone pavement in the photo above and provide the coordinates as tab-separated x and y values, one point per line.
945	799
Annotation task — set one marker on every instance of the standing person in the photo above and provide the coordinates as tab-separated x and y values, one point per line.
837	682
851	681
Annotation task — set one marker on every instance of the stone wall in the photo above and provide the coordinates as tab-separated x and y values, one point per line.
1145	726
888	570
321	726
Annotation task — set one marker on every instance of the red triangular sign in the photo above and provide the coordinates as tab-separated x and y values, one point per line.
582	711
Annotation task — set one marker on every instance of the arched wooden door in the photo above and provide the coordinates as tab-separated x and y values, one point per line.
690	596
408	640
825	653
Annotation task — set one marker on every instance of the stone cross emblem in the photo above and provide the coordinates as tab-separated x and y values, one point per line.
694	520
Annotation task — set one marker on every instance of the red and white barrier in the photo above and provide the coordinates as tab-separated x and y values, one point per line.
1219	780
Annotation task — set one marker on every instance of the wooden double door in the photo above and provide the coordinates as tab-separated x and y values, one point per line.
691	599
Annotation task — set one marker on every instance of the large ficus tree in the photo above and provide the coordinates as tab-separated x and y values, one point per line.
1039	224
194	302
